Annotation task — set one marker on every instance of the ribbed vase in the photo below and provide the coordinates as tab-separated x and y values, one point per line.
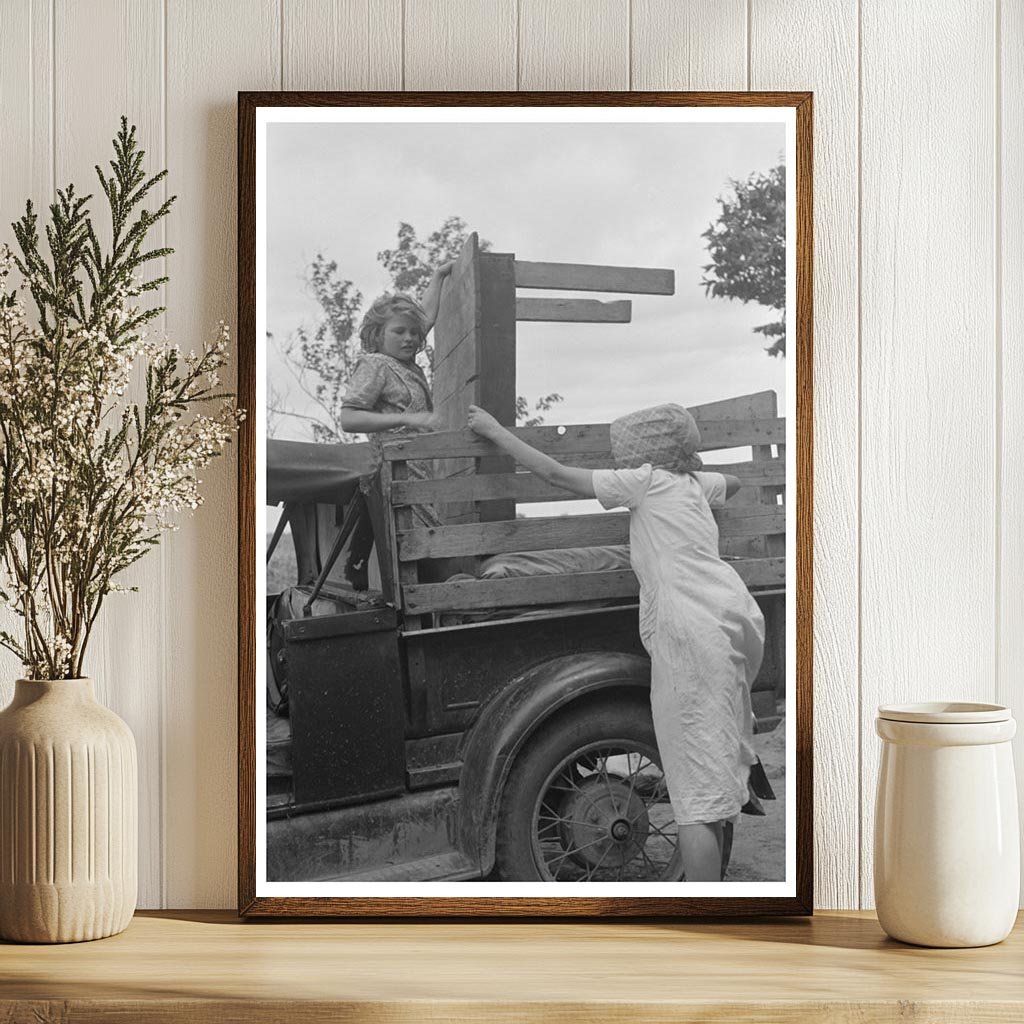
68	815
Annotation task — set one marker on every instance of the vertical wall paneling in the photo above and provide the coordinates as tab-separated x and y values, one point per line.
698	44
1010	175
342	44
573	44
465	44
26	106
213	51
928	414
123	658
780	59
26	127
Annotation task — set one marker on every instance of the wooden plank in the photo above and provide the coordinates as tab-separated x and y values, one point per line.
26	128
212	52
26	85
699	44
211	968
579	439
465	595
581	277
342	44
1009	681
129	668
456	365
574	44
495	388
827	62
752	522
408	572
459	312
535	534
760	405
527	487
542	533
928	357
574	311
469	44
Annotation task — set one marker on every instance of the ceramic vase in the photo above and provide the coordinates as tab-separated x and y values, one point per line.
68	815
947	847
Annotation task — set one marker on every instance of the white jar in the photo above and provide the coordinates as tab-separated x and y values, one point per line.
947	847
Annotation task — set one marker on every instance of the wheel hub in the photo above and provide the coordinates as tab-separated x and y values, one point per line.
605	823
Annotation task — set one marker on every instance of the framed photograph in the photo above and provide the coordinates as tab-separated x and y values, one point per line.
525	504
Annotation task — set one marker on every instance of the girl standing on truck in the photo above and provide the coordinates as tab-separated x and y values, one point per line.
700	625
388	394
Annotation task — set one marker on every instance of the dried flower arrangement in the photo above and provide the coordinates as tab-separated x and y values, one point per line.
89	477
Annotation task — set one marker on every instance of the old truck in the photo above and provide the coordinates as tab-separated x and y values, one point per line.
483	710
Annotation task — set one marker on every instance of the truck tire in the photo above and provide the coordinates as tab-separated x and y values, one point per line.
586	801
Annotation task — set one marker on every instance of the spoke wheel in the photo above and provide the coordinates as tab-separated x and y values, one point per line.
586	802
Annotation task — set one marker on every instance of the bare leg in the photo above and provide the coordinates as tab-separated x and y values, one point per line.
701	847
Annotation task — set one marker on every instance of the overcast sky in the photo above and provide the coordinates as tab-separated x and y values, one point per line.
608	193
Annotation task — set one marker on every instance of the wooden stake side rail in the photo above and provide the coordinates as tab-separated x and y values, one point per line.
467	595
589	438
542	533
582	277
574	311
209	968
527	487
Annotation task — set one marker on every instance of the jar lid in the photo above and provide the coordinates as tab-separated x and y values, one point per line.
945	712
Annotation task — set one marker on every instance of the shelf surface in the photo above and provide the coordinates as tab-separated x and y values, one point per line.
201	966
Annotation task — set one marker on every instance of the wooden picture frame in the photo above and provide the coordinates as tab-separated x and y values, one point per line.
411	593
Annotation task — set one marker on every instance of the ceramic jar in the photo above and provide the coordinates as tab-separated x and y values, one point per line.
68	812
947	847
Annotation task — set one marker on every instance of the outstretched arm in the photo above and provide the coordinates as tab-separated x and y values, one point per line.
732	485
364	421
579	481
432	296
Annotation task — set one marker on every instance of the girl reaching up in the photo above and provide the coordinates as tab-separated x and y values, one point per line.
388	394
700	625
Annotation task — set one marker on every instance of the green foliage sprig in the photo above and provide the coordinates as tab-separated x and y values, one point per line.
90	478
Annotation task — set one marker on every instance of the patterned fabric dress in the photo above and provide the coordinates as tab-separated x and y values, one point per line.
381	383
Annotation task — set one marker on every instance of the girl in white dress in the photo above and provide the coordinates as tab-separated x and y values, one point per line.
700	625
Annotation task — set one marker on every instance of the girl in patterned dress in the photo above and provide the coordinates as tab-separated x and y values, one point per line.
388	395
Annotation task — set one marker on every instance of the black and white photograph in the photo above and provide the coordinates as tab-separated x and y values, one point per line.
525	383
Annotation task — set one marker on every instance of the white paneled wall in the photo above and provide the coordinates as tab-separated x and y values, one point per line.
919	323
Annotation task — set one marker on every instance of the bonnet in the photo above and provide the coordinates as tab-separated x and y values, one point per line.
666	436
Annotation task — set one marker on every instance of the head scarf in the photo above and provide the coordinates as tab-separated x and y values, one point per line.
666	436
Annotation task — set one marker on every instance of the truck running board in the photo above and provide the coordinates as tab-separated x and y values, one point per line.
445	867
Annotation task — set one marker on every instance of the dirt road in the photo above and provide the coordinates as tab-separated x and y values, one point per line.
759	849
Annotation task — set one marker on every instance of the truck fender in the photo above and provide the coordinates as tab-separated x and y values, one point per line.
507	722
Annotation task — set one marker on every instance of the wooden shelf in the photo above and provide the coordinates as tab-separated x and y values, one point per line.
210	967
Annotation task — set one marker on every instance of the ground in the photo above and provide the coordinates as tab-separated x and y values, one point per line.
759	849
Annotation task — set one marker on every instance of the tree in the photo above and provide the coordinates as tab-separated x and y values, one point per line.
321	358
412	262
748	249
543	404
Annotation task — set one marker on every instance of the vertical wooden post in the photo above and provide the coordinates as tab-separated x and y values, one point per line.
456	365
495	385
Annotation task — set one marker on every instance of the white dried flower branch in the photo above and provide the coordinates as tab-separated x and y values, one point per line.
89	478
